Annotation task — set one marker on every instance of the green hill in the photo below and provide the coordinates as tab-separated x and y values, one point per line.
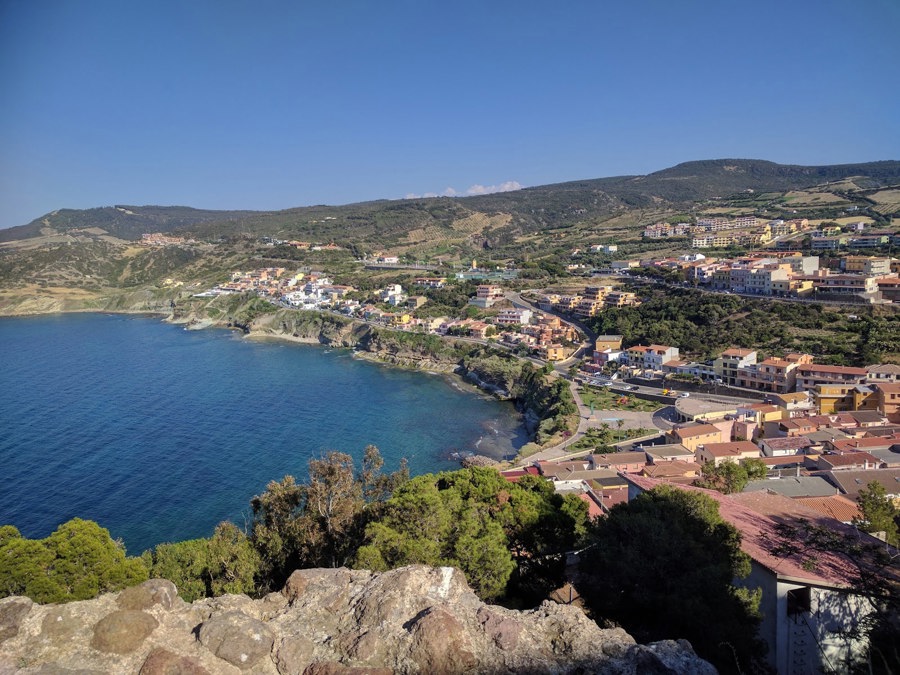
386	223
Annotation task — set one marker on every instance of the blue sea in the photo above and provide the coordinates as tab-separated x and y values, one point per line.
159	433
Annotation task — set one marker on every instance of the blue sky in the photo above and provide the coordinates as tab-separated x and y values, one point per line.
268	105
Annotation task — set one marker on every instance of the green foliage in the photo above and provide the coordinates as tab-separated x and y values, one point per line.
704	324
319	523
663	567
879	513
77	562
506	537
730	477
205	568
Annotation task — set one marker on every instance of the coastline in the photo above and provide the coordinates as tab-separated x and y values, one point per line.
395	349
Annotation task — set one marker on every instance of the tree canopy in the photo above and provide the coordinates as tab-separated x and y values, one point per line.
76	562
477	521
319	523
879	514
200	568
663	567
731	477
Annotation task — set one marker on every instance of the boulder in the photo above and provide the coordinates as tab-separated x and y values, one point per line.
163	662
12	612
123	631
152	592
237	638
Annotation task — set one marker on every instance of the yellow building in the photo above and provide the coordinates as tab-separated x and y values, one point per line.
605	342
834	398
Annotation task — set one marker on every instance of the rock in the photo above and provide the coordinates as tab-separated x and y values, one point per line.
61	622
294	654
237	638
12	612
502	630
152	592
163	662
335	668
411	620
327	584
438	645
679	657
123	631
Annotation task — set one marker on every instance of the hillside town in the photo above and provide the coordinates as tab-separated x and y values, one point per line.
778	437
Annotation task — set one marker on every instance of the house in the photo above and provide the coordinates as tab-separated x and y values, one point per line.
794	486
651	357
773	374
784	447
888	400
486	295
850	482
604	342
416	301
832	398
553	352
674	471
732	451
794	404
731	361
809	375
851	460
883	372
511	317
670	452
628	462
808	615
695	435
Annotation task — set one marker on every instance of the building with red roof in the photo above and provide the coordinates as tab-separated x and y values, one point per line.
808	611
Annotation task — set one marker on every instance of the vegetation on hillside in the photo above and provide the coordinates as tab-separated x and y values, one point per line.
702	325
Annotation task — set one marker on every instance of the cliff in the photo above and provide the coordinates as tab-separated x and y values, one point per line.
414	619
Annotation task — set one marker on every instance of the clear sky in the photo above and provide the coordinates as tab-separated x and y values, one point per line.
269	104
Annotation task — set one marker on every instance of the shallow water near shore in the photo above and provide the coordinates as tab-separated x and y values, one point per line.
159	433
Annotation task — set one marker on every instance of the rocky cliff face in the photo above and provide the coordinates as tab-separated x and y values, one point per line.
324	622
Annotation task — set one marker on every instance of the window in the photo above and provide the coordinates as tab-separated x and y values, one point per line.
799	601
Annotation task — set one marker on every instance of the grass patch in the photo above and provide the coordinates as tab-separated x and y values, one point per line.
603	399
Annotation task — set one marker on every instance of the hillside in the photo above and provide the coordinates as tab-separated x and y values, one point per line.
388	223
124	222
92	252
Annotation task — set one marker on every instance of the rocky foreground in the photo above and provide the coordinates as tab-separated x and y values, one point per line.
414	619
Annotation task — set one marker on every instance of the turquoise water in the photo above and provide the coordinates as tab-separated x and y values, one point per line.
159	433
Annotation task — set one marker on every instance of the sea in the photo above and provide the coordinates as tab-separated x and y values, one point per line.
159	433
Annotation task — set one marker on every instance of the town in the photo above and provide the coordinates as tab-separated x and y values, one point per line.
780	436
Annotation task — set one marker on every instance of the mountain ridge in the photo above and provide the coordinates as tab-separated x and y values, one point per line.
531	208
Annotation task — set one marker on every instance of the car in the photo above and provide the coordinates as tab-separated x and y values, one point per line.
632	387
684	395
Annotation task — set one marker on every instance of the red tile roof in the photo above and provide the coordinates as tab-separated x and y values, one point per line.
838	507
756	515
594	510
732	449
